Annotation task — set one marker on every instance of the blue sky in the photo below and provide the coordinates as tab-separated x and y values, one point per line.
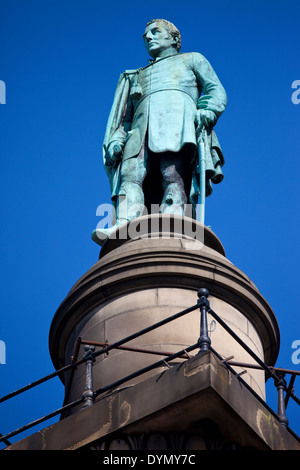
60	61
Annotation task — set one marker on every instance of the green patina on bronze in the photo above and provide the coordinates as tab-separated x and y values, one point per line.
159	136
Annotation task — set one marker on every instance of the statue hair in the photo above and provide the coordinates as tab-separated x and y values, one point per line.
172	30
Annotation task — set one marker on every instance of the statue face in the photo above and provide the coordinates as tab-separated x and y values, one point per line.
158	40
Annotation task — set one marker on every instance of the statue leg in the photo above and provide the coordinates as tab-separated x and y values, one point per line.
130	202
131	195
173	172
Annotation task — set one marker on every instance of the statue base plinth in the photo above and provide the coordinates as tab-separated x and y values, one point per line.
157	226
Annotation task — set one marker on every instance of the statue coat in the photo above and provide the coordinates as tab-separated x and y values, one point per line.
159	102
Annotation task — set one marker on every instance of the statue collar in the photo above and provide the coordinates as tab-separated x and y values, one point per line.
153	61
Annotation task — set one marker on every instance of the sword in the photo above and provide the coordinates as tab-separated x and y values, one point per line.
201	138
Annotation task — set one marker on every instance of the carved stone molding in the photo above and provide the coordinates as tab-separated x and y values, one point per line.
164	441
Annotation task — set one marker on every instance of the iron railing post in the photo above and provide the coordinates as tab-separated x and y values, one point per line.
280	384
88	394
203	303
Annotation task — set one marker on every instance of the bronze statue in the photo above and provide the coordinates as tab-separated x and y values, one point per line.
160	113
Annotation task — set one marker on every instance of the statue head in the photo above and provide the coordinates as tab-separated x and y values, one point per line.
161	34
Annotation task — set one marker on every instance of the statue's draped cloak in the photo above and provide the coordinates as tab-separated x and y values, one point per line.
214	159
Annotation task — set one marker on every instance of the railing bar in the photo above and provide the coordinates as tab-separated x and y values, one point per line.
227	364
145	369
37	382
242	364
289	393
40	420
286	371
125	379
145	330
98	392
98	353
276	369
296	399
255	366
263	365
6	441
253	392
244	345
125	348
133	349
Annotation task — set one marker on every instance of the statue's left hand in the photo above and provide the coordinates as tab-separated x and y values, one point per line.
205	118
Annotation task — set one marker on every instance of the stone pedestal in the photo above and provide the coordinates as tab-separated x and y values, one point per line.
152	269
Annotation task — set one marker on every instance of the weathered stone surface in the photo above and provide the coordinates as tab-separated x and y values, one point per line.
209	406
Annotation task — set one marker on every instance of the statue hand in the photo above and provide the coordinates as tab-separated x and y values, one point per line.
205	118
115	151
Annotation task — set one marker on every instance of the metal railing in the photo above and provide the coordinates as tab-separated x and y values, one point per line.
285	392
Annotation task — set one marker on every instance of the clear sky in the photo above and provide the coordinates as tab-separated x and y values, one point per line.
60	61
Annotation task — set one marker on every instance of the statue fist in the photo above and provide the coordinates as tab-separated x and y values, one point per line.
205	118
114	151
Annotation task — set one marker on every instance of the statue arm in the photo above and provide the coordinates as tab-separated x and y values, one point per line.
119	122
213	100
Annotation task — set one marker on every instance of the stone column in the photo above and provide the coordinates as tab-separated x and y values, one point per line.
152	269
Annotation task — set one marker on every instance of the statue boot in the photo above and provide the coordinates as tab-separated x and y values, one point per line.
99	235
128	208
